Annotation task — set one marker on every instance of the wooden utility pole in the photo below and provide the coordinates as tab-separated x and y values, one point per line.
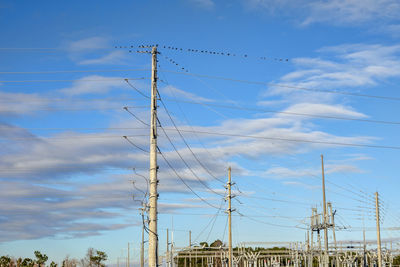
190	239
333	233
127	264
153	236
324	203
378	229
167	253
143	209
230	215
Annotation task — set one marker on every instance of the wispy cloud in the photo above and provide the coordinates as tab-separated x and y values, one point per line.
94	51
336	12
205	4
87	44
94	84
178	93
21	103
349	66
115	57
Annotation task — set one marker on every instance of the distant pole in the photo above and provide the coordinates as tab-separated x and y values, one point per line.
324	203
364	250
190	239
153	236
128	256
333	232
230	215
167	253
378	229
142	243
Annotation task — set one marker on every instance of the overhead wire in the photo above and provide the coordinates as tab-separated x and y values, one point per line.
68	71
186	164
186	143
293	140
189	124
137	90
285	86
270	138
136	117
183	181
212	219
73	80
133	144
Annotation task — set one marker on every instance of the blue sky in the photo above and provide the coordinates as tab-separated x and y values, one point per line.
66	171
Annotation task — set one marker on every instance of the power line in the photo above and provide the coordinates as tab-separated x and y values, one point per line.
212	52
284	85
133	144
75	80
287	112
278	200
186	164
187	145
68	71
137	90
253	137
219	106
71	137
136	117
267	223
183	181
292	140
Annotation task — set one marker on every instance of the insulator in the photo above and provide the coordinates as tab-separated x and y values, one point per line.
130	51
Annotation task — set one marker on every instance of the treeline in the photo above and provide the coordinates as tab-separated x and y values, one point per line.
93	258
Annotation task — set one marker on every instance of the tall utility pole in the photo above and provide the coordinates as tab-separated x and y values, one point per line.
153	236
142	243
333	232
190	239
167	253
378	229
324	203
127	264
230	215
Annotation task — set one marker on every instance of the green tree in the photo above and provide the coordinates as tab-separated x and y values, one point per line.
40	258
217	243
53	264
97	258
27	262
5	261
19	262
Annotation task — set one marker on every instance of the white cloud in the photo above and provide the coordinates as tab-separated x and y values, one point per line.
324	110
205	4
303	185
115	57
349	66
353	11
87	44
336	12
94	84
177	93
21	103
